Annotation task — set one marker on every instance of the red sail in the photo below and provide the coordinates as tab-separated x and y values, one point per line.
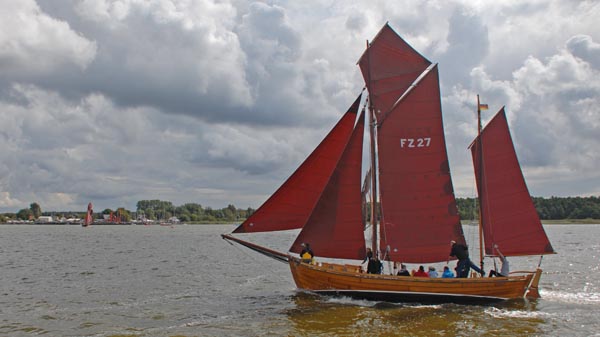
290	206
89	215
508	215
389	66
335	227
419	212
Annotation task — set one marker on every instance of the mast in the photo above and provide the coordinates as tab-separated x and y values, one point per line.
372	126
480	189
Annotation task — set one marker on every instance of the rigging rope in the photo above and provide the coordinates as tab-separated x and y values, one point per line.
260	262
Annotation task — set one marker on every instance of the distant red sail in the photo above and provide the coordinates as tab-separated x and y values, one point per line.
291	205
335	227
508	214
389	66
89	215
419	212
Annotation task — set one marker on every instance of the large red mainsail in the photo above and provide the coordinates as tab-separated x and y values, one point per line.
335	227
389	66
508	216
291	205
419	212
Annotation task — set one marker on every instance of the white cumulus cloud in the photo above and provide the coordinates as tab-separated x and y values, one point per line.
32	42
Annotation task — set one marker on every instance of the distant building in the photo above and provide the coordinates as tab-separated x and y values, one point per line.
44	219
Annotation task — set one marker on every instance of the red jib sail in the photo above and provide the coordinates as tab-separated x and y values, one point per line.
508	215
335	227
389	66
291	205
419	213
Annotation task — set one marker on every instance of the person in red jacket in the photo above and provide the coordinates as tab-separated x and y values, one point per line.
421	272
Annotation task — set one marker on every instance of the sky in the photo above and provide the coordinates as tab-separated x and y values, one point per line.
218	102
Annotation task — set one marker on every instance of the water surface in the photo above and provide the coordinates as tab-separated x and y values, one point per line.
187	281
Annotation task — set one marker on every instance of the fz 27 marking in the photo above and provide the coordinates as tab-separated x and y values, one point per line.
415	142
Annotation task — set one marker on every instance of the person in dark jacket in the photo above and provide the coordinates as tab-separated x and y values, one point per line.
403	271
461	252
374	265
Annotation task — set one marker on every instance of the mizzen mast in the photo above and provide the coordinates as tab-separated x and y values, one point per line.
480	148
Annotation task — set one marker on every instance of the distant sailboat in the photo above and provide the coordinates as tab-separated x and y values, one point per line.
89	219
418	216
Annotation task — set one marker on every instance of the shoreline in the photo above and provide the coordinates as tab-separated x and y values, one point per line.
118	224
463	222
552	222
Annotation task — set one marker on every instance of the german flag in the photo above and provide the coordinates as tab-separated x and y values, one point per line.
483	106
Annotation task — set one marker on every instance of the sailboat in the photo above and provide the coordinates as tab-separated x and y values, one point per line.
89	219
413	211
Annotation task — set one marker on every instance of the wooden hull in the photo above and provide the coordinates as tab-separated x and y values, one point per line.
346	280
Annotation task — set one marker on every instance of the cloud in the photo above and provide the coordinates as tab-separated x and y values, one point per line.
179	57
7	202
33	43
583	47
71	152
464	54
217	102
552	108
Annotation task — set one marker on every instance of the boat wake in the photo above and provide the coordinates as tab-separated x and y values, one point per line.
588	298
344	300
511	313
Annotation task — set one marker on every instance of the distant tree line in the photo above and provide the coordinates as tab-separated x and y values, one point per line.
568	208
554	208
33	212
190	212
157	210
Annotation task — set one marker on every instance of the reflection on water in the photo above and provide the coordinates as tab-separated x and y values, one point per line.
313	315
186	281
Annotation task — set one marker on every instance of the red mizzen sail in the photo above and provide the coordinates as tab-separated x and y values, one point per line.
335	227
291	205
389	66
508	215
419	212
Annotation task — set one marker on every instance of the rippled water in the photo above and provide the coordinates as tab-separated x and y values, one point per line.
187	281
